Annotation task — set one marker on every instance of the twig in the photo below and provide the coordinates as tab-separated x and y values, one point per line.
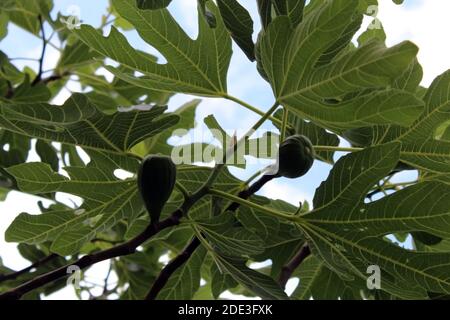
24	58
10	92
55	77
182	189
251	108
44	47
37	264
289	268
247	193
170	268
389	186
337	149
284	124
280	214
105	282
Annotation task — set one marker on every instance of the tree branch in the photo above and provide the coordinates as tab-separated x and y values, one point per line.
247	193
55	77
184	256
171	267
44	47
10	92
289	268
37	264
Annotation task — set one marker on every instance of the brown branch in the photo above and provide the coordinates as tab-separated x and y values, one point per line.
41	60
171	267
10	92
35	265
55	77
289	268
247	193
105	282
184	256
10	89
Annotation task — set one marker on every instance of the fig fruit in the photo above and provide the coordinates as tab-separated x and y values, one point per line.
295	157
156	180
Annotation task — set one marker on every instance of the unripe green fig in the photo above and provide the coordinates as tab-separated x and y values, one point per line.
156	180
295	157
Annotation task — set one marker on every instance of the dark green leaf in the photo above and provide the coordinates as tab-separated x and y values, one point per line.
239	24
152	4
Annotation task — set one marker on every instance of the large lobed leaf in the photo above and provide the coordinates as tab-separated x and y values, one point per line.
193	66
420	148
347	233
313	76
107	200
79	122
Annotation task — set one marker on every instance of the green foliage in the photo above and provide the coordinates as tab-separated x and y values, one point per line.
152	4
341	91
194	66
240	24
332	87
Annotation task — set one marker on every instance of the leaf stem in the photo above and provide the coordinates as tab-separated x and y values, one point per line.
25	59
267	115
248	192
250	107
250	204
35	265
399	184
182	189
284	124
338	149
44	47
253	177
230	152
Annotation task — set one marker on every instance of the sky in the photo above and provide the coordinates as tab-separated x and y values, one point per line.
424	22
